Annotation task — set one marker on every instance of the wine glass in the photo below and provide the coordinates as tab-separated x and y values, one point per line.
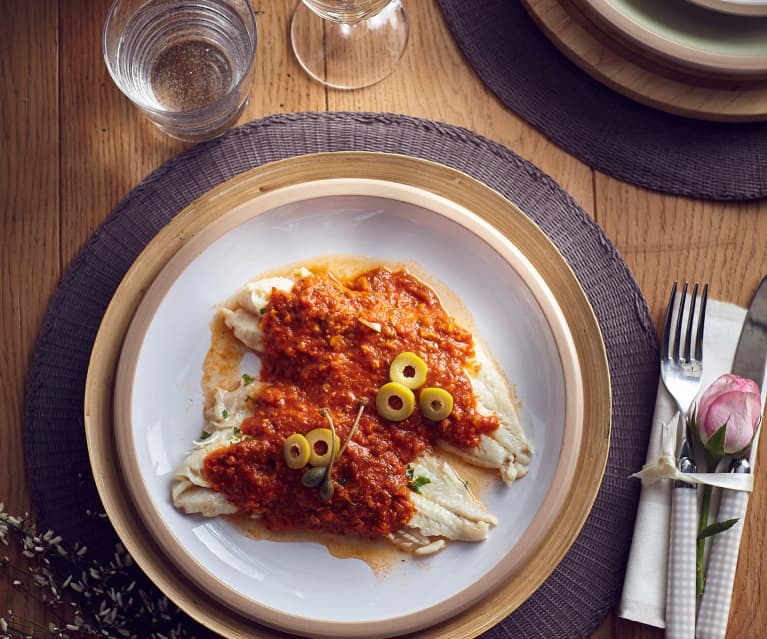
348	44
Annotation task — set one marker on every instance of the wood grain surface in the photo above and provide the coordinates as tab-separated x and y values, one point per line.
73	146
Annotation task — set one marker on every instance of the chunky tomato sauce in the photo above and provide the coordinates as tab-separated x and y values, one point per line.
322	349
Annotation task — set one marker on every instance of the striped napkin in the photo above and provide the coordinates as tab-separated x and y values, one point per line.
714	610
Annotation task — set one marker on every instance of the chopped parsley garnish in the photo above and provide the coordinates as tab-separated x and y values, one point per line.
416	484
247	379
204	435
237	436
262	310
224	414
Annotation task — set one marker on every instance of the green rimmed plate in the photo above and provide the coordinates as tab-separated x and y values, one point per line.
736	7
686	35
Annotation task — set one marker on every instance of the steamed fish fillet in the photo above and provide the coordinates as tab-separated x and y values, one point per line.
506	450
445	508
252	299
191	493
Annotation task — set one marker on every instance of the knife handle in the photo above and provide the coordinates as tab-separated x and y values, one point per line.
680	590
720	575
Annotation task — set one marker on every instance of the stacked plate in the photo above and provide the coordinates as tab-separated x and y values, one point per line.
704	59
736	7
143	405
721	38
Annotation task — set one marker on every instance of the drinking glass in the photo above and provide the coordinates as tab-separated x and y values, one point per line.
348	44
186	64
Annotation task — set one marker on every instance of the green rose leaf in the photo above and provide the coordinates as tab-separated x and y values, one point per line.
717	527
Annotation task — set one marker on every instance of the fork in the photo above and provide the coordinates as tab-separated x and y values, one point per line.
681	369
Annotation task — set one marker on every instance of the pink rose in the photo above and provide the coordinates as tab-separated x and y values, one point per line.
733	401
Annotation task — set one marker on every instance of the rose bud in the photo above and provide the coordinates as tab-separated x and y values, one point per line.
731	402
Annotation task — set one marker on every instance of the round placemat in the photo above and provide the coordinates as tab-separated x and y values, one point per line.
606	130
586	584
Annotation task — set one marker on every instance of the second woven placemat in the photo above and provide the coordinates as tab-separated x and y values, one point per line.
607	131
586	585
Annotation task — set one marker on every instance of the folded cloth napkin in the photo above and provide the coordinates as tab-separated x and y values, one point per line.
644	589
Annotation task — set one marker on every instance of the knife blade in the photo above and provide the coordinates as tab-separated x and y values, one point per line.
749	362
751	352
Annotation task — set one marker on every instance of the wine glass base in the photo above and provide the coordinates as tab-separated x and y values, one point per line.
349	56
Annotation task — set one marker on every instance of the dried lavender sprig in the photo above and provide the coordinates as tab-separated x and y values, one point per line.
112	603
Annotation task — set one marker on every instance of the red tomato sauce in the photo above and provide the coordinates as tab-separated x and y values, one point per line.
318	353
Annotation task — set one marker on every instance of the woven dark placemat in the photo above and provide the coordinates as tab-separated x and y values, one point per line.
586	585
607	131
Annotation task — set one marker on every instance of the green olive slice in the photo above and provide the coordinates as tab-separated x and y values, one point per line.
320	445
395	402
408	369
296	451
435	403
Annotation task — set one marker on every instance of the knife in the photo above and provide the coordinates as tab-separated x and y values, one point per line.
749	362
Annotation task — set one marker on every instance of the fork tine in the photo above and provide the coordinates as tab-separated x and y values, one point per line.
701	322
682	377
690	317
667	325
679	317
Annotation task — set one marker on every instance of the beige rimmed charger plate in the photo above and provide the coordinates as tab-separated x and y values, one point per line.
574	499
650	82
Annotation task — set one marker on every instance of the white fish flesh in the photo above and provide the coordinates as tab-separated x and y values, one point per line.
445	508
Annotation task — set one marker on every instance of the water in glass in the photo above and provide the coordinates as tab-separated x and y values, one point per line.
186	64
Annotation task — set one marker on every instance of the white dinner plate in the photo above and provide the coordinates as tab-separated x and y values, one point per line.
523	299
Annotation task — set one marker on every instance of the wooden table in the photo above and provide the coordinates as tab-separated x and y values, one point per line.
73	146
